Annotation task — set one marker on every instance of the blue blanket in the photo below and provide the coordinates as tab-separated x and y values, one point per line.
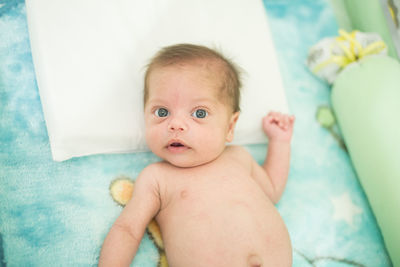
57	214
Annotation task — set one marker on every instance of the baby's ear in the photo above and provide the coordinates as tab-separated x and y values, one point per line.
231	129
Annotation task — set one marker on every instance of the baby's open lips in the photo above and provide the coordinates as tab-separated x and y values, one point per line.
176	144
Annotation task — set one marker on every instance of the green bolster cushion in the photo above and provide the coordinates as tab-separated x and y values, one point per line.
366	101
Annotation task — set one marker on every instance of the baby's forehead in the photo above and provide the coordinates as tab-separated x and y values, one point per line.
201	69
213	71
199	64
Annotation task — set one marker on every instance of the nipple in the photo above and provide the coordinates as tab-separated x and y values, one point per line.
254	261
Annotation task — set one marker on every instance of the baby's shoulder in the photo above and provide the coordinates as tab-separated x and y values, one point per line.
239	153
154	169
152	177
158	171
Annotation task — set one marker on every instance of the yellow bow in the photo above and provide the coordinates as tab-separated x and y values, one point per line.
352	53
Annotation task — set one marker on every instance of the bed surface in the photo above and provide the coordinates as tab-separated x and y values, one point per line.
54	212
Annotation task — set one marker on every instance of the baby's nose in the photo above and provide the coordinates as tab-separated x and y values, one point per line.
177	124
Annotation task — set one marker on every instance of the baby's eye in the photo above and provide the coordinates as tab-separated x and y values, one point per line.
161	112
200	113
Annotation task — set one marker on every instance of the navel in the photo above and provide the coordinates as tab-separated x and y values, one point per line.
254	261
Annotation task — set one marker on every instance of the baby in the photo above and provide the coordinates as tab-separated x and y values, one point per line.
214	204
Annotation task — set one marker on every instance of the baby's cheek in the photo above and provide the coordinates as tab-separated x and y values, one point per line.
213	143
152	138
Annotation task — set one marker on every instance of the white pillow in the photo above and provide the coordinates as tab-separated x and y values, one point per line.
90	55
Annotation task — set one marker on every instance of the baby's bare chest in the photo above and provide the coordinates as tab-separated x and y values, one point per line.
214	184
222	212
212	193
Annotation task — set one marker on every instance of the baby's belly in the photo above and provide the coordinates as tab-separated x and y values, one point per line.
224	228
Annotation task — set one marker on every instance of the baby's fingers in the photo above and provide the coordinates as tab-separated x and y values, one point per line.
274	116
288	121
282	120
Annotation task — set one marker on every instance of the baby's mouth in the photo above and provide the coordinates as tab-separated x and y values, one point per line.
176	146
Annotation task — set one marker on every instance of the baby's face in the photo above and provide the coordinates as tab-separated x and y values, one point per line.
187	124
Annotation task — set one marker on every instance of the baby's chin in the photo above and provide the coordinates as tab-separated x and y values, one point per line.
188	161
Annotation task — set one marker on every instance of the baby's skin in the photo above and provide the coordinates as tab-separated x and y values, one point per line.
214	203
217	215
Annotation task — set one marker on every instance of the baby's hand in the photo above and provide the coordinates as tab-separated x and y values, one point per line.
278	126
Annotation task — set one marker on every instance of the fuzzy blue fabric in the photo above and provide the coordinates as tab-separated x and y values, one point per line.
58	214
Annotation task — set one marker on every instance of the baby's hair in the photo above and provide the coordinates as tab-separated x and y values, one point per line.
190	53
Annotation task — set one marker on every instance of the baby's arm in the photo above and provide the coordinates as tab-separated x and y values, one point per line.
278	128
123	240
